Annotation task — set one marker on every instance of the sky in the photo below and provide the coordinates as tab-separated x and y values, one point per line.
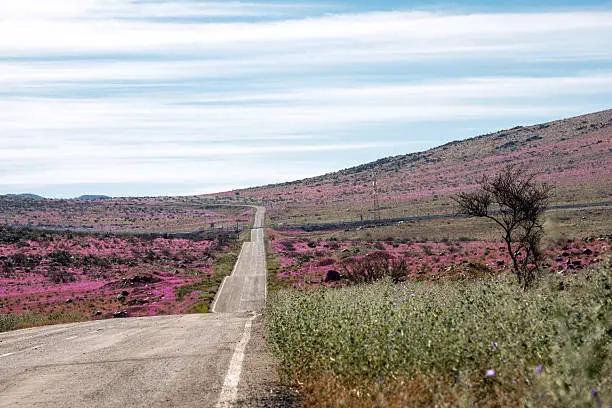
169	97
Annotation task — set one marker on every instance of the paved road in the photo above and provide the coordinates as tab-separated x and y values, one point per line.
245	289
165	361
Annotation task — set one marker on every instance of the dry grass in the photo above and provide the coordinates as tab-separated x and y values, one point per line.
418	391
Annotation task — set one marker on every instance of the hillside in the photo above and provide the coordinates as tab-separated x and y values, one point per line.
573	154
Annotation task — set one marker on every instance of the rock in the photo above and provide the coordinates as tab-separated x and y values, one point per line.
138	302
500	262
68	300
332	276
97	313
587	252
124	293
120	314
139	279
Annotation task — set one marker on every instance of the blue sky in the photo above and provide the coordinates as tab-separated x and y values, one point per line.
161	97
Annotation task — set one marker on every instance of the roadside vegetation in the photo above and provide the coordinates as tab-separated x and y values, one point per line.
479	342
274	266
22	321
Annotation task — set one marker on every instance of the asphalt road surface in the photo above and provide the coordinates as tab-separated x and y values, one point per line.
166	361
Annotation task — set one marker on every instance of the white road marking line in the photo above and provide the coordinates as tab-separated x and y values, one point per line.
229	391
7	354
70	338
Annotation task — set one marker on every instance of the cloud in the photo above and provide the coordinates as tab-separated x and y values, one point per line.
229	115
66	10
169	151
397	33
119	91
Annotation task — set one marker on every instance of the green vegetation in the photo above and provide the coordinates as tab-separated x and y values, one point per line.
14	322
472	343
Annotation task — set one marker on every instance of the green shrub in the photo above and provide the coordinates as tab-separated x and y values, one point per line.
551	346
20	321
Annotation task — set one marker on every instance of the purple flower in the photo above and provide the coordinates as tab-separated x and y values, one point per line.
490	373
412	295
539	369
494	345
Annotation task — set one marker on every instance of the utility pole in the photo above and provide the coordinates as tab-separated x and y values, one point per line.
376	203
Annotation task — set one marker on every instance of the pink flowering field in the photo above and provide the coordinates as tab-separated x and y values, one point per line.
99	276
305	261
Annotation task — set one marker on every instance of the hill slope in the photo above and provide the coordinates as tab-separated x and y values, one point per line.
574	154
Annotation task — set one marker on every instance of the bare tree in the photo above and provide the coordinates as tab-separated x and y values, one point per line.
515	201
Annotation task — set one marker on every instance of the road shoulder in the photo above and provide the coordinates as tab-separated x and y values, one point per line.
260	385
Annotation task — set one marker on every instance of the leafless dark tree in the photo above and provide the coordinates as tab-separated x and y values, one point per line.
515	201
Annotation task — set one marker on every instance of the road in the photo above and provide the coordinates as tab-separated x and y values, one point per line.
165	361
245	289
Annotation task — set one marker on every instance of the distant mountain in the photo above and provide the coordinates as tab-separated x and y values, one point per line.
93	197
26	195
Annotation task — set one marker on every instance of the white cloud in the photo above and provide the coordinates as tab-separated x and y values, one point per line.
99	153
290	86
63	10
242	115
400	33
